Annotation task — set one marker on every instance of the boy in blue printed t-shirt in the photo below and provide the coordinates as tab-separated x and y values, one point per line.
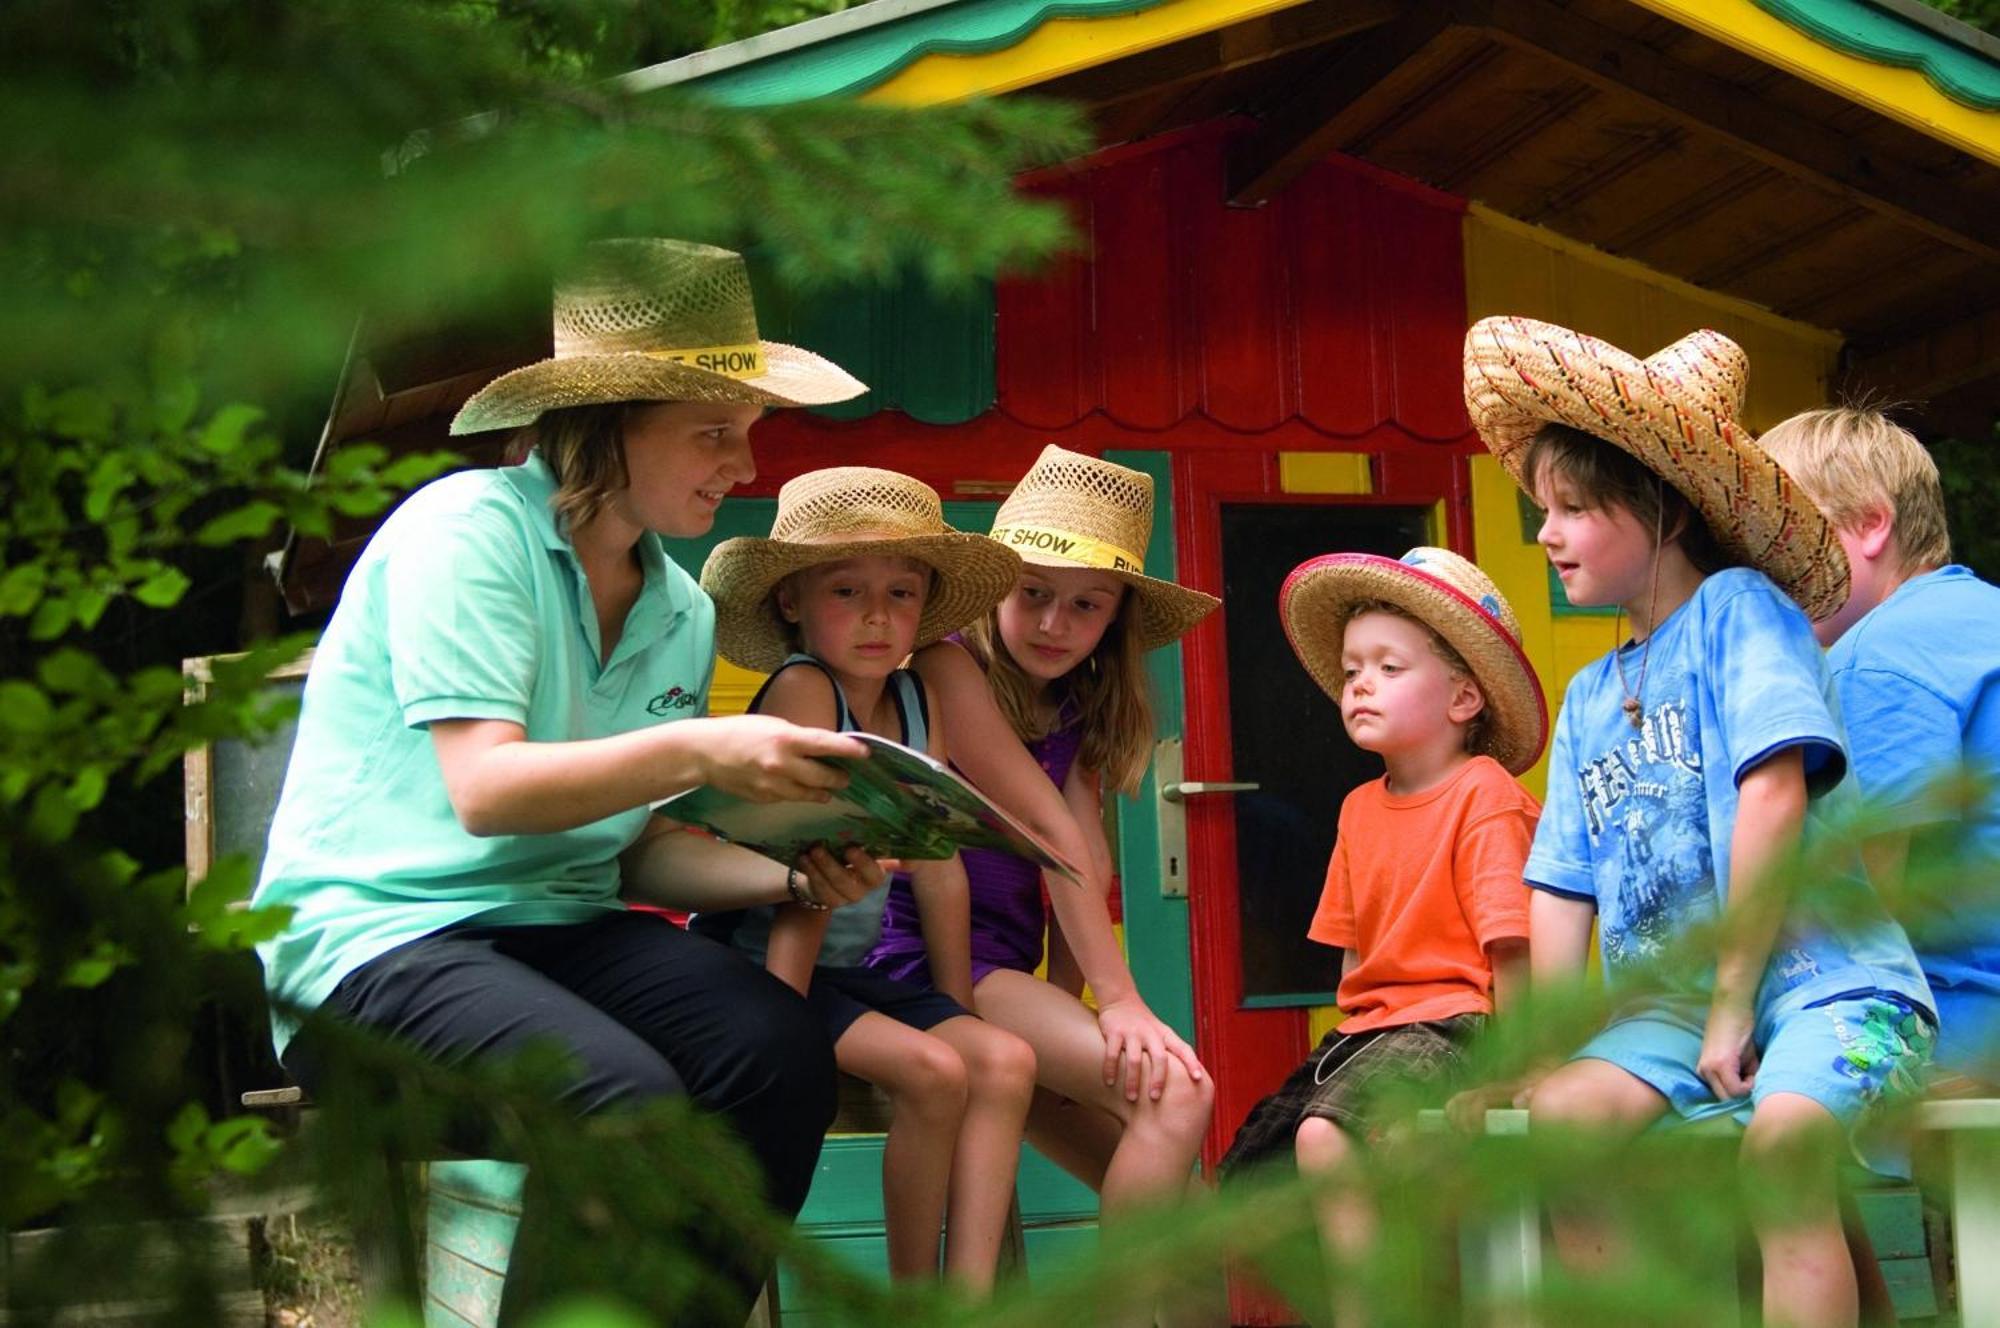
1687	764
1915	655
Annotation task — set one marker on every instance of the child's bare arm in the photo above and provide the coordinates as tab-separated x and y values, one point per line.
1558	948
985	747
1510	972
944	911
796	934
1770	814
804	696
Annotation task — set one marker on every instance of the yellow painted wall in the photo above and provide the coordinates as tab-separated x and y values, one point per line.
1514	268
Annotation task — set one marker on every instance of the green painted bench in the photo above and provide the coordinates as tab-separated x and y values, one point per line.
1504	1255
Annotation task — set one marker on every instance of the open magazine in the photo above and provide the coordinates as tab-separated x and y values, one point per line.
898	803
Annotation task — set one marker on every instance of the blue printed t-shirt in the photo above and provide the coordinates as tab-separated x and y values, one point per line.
1919	684
1638	821
467	604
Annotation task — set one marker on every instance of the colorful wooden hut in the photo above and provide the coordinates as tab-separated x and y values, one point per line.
1297	208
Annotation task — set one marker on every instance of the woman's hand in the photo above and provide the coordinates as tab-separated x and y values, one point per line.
1133	1033
837	881
767	759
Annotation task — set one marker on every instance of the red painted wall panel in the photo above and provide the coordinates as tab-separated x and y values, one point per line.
1339	305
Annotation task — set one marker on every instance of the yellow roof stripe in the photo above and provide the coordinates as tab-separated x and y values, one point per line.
1062	46
1904	95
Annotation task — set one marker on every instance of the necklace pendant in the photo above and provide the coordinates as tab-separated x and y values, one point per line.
1632	709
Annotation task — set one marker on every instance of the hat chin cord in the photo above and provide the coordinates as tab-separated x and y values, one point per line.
1635	699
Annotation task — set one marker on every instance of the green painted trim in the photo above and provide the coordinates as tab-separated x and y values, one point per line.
852	63
1862	29
1288	1000
1156	929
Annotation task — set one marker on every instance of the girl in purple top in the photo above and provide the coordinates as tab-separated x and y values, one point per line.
1054	676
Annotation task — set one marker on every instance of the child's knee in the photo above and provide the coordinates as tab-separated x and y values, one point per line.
931	1078
999	1063
1188	1102
1792	1136
1320	1145
1593	1096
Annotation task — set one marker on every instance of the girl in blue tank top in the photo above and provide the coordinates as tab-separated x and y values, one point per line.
859	571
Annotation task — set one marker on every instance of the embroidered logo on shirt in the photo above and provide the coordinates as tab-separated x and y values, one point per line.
674	698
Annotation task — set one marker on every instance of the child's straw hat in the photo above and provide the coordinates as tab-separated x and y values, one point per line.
656	320
1072	510
1676	411
849	512
1450	596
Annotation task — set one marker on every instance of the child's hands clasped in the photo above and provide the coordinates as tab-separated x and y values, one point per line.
1134	1034
1728	1063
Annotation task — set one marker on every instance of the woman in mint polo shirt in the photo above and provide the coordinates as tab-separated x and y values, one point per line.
515	671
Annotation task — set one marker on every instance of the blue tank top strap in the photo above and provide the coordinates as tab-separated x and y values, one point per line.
843	717
912	708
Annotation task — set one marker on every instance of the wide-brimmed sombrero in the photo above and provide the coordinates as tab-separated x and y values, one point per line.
1072	510
1677	412
848	512
1450	596
656	320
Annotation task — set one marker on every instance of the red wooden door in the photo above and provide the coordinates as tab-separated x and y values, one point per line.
1256	858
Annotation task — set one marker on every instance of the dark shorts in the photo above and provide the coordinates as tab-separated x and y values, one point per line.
839	996
1346	1079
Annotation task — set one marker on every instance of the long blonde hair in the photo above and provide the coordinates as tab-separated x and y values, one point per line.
1107	689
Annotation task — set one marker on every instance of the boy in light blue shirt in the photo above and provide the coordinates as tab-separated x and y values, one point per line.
1915	655
1687	765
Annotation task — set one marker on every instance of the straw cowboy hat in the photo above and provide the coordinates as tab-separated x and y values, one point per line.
656	320
1072	510
848	512
1677	412
1450	596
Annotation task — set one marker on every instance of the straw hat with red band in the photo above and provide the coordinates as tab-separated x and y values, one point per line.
842	512
1677	412
1073	510
656	320
1450	596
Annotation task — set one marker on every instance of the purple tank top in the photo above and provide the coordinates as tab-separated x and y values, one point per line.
1008	918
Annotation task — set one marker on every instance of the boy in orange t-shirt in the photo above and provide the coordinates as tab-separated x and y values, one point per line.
1424	894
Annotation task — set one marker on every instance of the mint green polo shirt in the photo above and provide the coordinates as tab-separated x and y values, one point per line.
467	604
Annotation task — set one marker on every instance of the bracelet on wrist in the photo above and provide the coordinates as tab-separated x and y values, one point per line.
795	885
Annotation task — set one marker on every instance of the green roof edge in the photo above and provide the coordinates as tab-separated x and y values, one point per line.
1962	66
850	63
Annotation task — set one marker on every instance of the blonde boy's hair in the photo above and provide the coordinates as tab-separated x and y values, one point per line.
1848	459
1454	663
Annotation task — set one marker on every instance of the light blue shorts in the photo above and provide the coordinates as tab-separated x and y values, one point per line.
1968	1032
1850	1053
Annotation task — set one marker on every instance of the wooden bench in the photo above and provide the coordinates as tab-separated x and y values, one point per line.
472	1207
1504	1253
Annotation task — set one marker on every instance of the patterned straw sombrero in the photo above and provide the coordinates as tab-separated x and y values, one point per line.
1676	411
1450	596
656	320
848	512
1072	510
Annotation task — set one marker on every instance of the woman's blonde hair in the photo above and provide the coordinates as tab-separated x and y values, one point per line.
584	446
1107	690
1848	459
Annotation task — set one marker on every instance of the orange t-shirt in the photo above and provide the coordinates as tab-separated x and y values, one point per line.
1419	887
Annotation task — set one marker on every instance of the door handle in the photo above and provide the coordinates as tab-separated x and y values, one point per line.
1194	787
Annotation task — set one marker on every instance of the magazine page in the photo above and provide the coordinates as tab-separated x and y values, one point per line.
898	803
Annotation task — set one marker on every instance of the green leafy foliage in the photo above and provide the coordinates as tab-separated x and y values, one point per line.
206	196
